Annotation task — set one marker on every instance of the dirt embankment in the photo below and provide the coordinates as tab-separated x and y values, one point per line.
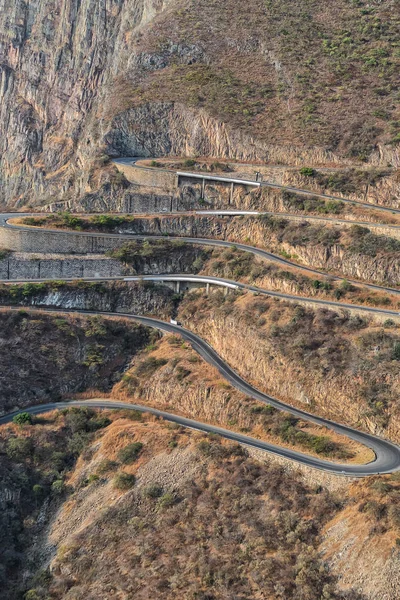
94	493
107	491
338	366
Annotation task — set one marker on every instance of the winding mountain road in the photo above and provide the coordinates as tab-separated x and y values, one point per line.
5	218
387	454
132	160
230	284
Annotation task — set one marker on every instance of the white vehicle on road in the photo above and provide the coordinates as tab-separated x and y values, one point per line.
173	322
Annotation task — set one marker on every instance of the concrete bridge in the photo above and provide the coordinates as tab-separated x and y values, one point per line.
204	178
168	179
183	283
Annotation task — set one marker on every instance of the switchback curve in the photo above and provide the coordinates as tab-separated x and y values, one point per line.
387	454
265	254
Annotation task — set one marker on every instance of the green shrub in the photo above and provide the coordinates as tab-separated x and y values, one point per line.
389	323
365	242
166	501
78	442
133	415
182	373
77	418
23	418
396	351
130	453
189	162
382	487
124	481
99	423
153	491
32	289
38	491
264	410
32	595
94	355
105	466
150	365
307	172
58	487
19	448
107	222
93	477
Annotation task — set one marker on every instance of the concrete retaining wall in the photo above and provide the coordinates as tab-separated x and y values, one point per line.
127	201
48	242
151	177
24	267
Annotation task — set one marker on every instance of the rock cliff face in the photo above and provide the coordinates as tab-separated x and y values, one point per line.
80	79
110	297
56	60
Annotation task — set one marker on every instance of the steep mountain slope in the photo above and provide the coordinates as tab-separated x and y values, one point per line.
278	80
153	511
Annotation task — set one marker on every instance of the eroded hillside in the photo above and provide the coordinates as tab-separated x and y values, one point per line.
116	503
122	507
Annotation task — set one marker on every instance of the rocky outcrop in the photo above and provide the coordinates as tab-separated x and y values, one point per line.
135	298
171	128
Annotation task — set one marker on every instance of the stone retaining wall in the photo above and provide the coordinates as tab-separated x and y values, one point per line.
48	242
31	266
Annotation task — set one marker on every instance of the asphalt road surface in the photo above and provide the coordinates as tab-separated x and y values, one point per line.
387	455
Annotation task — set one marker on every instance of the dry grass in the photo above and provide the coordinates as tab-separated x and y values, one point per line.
203	395
342	367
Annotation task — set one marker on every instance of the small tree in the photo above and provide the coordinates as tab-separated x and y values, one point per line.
23	418
58	487
32	595
168	499
38	491
153	491
19	448
396	351
307	172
